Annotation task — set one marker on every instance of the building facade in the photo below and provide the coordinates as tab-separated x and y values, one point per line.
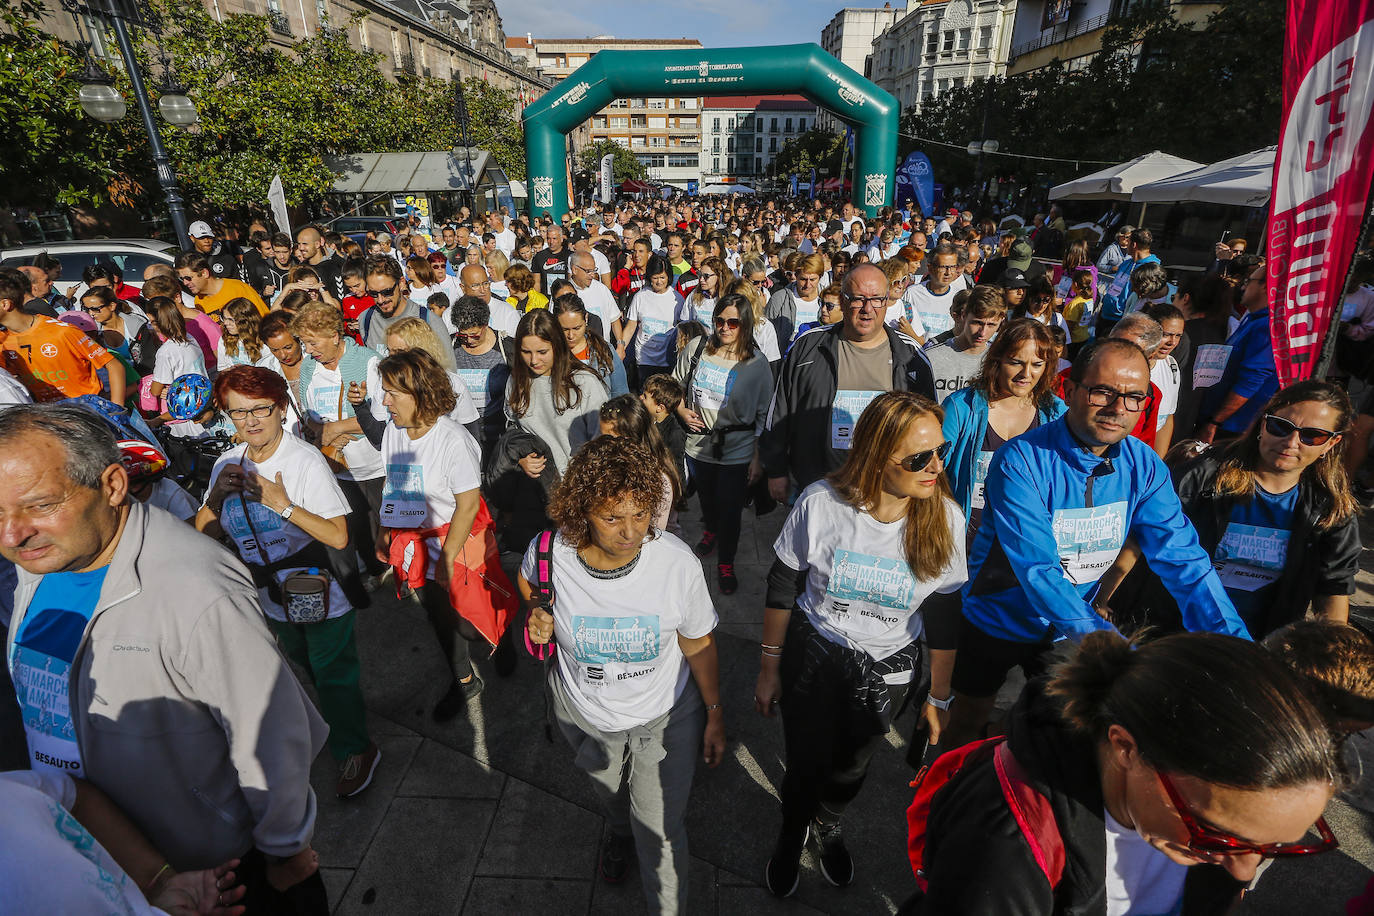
663	132
941	45
1071	32
413	37
848	37
742	134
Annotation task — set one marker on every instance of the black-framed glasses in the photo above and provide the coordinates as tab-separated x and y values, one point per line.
383	293
262	412
731	323
1280	428
921	461
1102	396
765	283
858	302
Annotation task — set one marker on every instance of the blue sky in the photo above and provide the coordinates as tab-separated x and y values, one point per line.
716	23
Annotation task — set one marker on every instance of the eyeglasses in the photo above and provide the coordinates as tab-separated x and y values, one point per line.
1102	396
858	302
706	276
765	283
731	323
1204	839
1280	428
470	336
921	461
827	305
481	284
262	412
383	293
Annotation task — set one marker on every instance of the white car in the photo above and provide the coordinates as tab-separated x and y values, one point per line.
132	256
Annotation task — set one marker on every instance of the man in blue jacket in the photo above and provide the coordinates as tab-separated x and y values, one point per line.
1114	299
1060	502
1250	378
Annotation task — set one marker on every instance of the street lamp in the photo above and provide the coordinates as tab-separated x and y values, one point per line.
100	100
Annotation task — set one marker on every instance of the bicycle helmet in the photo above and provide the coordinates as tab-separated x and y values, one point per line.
188	396
141	460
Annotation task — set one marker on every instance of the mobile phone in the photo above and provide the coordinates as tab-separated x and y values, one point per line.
1224	235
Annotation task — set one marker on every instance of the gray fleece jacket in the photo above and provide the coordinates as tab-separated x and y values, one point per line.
185	712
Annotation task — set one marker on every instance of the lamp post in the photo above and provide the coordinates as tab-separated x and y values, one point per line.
101	101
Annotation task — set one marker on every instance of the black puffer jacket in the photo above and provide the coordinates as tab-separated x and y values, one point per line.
520	502
978	862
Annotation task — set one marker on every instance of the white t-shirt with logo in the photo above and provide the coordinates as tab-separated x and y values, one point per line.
1141	880
423	475
618	655
1166	375
321	402
927	311
309	484
860	592
655	334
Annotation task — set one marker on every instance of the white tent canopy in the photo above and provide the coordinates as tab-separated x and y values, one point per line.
1117	182
1241	181
726	189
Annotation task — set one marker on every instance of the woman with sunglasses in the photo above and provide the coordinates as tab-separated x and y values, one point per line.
866	558
753	285
1039	304
1166	785
1274	510
1012	393
700	303
727	387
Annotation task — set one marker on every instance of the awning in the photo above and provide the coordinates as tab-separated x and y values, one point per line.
631	186
517	189
1117	182
418	172
726	189
1241	181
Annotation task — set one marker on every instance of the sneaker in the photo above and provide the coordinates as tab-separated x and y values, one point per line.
725	576
356	773
456	700
615	857
783	873
706	544
836	864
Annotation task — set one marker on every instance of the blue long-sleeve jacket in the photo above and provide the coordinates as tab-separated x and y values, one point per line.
1055	518
966	422
1250	371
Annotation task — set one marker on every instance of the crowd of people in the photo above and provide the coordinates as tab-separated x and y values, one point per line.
994	449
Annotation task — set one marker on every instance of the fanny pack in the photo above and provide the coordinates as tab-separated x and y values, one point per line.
304	594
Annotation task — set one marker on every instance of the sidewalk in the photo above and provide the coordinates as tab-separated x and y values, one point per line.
485	817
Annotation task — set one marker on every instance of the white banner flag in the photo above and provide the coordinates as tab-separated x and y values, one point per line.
276	196
607	195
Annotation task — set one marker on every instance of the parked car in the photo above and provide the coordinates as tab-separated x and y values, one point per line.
357	227
132	256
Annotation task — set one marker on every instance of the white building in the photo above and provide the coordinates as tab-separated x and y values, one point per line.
940	45
849	38
741	134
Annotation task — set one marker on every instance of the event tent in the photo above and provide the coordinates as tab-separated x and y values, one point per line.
1117	182
1241	181
727	189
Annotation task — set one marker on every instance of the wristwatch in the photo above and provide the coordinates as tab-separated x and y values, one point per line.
286	513
940	704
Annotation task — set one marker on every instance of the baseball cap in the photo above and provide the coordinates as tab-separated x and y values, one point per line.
200	229
1020	255
1014	279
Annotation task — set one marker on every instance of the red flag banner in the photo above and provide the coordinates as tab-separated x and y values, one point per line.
1322	173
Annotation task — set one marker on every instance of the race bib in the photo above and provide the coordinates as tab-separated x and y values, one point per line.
403	498
711	385
475	380
1250	557
868	594
1209	364
269	526
1119	284
980	478
1089	539
654	327
845	412
936	322
40	684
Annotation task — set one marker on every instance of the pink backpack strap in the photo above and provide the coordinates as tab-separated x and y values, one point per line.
543	590
1033	814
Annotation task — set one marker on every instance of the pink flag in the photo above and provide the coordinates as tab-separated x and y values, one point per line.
1322	173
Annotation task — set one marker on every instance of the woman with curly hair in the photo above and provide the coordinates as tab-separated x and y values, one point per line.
635	685
240	345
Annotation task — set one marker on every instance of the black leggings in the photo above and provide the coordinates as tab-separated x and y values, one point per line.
452	631
722	489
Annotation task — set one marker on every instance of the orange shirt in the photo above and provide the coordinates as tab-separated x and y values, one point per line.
55	360
228	291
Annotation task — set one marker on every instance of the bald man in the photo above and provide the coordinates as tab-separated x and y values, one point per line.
44	299
310	250
595	295
475	282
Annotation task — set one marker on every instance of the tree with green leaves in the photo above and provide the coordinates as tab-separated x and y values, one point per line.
494	126
818	149
624	166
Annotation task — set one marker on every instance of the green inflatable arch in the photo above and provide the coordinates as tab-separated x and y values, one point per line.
803	68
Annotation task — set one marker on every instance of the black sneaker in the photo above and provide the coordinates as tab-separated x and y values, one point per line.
725	577
456	700
705	545
836	864
783	873
615	857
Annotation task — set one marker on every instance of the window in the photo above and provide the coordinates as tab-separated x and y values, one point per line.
658	123
687	103
658	103
658	141
932	41
715	163
730	144
620	122
958	82
619	103
715	144
985	37
801	124
636	103
424	63
599	121
637	141
682	161
758	145
773	124
395	46
731	124
787	125
747	123
637	121
965	36
772	144
650	161
715	124
623	141
947	45
758	166
322	11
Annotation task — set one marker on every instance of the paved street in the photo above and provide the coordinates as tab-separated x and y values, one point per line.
485	816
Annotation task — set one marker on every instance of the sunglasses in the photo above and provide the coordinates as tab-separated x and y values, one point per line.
382	293
922	460
731	323
1204	839
1280	428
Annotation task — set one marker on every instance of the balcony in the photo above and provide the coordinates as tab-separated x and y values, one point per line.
405	64
333	33
278	22
1053	38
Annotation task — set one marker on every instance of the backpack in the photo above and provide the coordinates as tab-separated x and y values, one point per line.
1030	808
370	313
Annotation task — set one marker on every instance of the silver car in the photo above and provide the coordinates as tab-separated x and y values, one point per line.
131	256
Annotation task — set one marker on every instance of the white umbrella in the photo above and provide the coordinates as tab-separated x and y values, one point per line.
1241	181
726	189
1117	182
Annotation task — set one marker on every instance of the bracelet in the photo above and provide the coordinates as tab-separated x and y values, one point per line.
767	654
152	882
940	704
764	645
713	706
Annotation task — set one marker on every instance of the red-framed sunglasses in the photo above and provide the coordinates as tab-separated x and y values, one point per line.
1205	839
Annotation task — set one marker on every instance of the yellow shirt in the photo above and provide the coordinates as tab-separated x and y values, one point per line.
230	290
535	300
1073	315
